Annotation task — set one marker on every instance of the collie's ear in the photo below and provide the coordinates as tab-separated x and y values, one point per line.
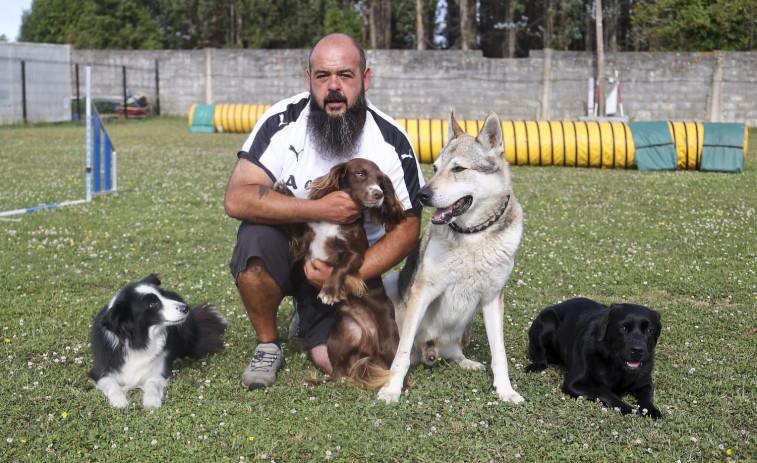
151	279
118	320
391	211
329	183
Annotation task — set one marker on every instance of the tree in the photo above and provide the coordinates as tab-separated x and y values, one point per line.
380	23
420	27
468	24
701	25
51	21
114	24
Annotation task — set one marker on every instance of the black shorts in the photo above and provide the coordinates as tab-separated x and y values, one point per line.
271	245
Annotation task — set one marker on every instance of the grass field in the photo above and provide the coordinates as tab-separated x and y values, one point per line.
680	242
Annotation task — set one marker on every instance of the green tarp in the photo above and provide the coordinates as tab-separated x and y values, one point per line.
654	146
723	148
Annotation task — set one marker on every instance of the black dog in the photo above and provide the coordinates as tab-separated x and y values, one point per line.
608	351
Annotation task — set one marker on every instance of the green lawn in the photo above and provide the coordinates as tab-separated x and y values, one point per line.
680	242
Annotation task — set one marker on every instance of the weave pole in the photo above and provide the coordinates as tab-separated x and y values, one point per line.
100	177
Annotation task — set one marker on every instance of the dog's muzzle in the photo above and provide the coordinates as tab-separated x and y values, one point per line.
444	215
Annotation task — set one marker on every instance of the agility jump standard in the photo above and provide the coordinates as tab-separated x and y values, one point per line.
101	167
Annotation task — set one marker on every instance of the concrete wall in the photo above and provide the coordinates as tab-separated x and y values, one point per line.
553	85
47	81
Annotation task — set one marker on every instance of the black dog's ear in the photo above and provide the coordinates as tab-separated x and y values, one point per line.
118	321
151	279
604	322
657	324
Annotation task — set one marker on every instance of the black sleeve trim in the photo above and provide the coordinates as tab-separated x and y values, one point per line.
272	126
394	136
254	160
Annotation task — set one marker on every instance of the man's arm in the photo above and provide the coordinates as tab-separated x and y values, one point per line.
249	197
391	248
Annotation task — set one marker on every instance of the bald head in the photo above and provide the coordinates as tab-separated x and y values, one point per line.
339	43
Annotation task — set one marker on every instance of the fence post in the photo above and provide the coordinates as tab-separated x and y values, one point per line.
157	88
23	89
78	97
126	107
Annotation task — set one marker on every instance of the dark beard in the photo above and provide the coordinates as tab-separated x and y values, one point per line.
337	138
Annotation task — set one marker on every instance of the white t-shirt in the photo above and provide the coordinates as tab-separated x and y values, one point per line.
280	145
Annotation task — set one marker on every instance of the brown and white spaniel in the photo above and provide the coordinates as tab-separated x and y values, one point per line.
364	338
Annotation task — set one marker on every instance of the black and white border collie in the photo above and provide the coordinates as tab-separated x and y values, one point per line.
138	335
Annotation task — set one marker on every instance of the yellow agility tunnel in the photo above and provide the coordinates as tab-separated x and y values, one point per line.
603	144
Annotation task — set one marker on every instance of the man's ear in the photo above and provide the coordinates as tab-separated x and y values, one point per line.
366	79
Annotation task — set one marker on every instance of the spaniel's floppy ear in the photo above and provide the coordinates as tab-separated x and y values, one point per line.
329	183
391	211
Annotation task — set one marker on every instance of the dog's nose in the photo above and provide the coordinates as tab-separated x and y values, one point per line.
637	352
377	194
183	308
424	195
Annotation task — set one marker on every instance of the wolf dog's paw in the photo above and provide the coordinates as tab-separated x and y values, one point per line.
467	364
389	394
509	395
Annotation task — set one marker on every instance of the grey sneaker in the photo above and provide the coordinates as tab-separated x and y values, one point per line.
266	362
296	336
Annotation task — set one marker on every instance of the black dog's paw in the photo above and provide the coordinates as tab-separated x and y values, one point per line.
652	412
536	367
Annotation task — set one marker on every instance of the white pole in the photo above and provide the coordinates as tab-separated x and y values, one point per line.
88	168
114	170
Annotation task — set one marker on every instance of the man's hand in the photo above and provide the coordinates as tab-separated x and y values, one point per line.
337	207
317	272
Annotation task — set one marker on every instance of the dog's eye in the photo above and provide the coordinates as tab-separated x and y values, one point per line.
623	329
154	305
650	330
458	169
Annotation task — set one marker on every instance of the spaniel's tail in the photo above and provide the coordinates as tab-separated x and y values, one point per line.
367	374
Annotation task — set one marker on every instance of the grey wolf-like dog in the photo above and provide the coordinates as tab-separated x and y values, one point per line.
462	262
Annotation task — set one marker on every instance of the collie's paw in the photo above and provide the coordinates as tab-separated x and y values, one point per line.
118	401
151	402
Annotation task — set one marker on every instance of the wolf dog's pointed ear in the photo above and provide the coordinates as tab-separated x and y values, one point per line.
454	128
491	133
152	279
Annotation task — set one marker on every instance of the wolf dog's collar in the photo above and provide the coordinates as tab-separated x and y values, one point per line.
482	226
